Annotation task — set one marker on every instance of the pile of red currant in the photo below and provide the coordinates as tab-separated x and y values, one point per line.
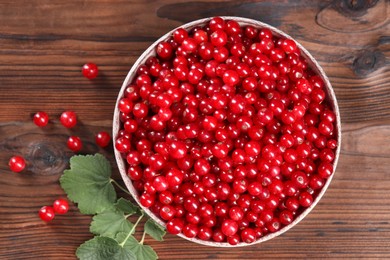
227	132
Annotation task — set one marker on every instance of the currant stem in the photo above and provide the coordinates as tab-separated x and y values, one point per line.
120	187
143	238
132	230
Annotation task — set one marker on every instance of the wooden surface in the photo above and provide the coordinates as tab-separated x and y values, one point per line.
43	45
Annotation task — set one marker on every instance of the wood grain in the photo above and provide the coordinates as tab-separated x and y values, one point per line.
43	45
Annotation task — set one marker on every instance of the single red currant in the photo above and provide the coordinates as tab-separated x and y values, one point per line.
60	206
41	119
74	143
68	119
229	227
102	139
46	213
17	163
90	70
305	199
164	50
175	225
122	144
248	235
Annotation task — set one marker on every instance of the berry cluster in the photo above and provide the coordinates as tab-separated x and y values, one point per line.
227	132
69	120
47	213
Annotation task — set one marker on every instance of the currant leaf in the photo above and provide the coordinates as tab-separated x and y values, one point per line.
127	207
141	251
88	183
109	223
103	248
154	230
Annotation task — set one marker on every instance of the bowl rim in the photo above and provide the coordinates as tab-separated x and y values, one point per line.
243	22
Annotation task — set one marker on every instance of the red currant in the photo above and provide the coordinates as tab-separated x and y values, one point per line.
248	235
102	139
164	50
60	206
90	70
74	143
123	144
46	213
17	163
229	227
175	226
68	119
41	119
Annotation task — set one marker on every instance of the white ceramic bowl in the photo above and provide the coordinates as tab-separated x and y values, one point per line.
243	22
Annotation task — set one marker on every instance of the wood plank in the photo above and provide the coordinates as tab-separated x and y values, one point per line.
43	45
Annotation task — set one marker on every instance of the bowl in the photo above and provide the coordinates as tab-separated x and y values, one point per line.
312	63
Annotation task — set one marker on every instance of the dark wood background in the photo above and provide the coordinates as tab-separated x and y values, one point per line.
44	43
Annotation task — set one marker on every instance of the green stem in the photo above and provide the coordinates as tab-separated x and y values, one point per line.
143	238
120	187
132	230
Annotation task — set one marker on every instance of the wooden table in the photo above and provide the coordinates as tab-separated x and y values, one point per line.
43	45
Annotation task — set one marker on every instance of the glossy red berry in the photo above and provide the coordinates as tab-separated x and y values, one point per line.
46	213
248	235
41	119
305	199
289	46
231	78
177	149
60	206
160	183
229	227
218	38
164	50
102	139
205	233
17	163
122	144
140	110
325	170
74	143
147	199
175	226
90	70
68	119
190	230
180	35
167	212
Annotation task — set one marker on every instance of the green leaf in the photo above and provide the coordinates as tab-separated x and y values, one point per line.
154	230
127	207
88	183
103	248
109	223
141	252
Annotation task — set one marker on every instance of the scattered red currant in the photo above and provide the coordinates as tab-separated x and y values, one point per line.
68	119
41	119
90	70
60	206
102	139
74	143
46	213
17	163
